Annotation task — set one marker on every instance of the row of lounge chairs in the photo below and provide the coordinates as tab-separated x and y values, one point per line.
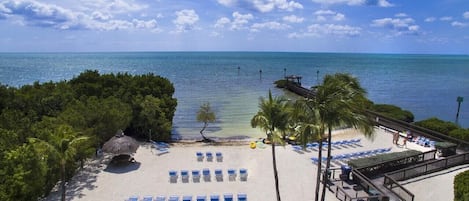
344	157
423	141
206	175
315	145
209	156
213	197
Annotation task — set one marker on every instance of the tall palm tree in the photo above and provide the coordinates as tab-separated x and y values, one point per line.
341	101
272	118
205	115
310	129
62	144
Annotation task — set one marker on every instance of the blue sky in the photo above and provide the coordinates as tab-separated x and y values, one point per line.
371	26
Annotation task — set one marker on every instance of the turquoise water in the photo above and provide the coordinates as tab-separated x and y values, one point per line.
427	85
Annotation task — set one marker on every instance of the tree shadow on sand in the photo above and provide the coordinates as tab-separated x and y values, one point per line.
122	167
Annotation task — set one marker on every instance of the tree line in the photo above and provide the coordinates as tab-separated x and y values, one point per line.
47	130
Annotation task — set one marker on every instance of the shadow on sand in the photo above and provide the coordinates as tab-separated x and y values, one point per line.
123	167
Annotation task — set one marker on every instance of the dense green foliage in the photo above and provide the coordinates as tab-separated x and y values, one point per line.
393	111
437	125
49	128
460	133
461	186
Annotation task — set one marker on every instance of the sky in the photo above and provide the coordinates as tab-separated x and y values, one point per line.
362	26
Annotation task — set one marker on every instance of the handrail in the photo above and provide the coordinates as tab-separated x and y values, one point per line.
366	180
390	181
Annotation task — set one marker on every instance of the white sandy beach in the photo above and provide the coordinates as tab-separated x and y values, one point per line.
297	173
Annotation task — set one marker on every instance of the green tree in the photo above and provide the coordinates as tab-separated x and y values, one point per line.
205	115
461	186
341	101
63	145
310	129
273	118
22	176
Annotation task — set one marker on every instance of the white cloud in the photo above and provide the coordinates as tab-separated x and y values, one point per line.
263	5
319	30
401	26
459	24
466	15
269	25
380	3
430	19
33	13
240	21
112	6
401	15
446	18
324	15
222	22
293	19
185	20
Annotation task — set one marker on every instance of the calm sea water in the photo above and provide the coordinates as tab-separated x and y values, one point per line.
427	85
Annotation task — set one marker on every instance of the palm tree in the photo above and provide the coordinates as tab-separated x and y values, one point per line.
341	101
310	129
272	118
63	144
205	115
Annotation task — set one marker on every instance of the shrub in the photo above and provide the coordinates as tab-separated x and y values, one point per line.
393	111
461	186
460	133
437	125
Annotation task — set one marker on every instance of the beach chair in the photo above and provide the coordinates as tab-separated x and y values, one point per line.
219	156
209	156
201	198
214	198
185	176
200	156
356	141
231	174
147	198
243	174
242	197
228	197
206	174
219	175
196	176
315	160
133	198
173	198
173	176
160	198
187	198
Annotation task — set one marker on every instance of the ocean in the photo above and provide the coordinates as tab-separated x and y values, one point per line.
232	82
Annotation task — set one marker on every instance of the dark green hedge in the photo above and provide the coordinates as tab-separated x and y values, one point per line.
393	111
438	125
461	186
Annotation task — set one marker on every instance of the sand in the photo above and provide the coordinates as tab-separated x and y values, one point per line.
149	175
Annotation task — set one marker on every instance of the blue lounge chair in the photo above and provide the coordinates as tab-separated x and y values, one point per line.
160	198
147	198
200	156
231	174
242	197
214	198
196	176
173	176
201	198
133	198
206	174
219	175
173	198
219	156
209	156
243	174
187	198
185	176
228	197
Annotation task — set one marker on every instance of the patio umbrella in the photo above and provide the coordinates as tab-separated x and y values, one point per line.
121	144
